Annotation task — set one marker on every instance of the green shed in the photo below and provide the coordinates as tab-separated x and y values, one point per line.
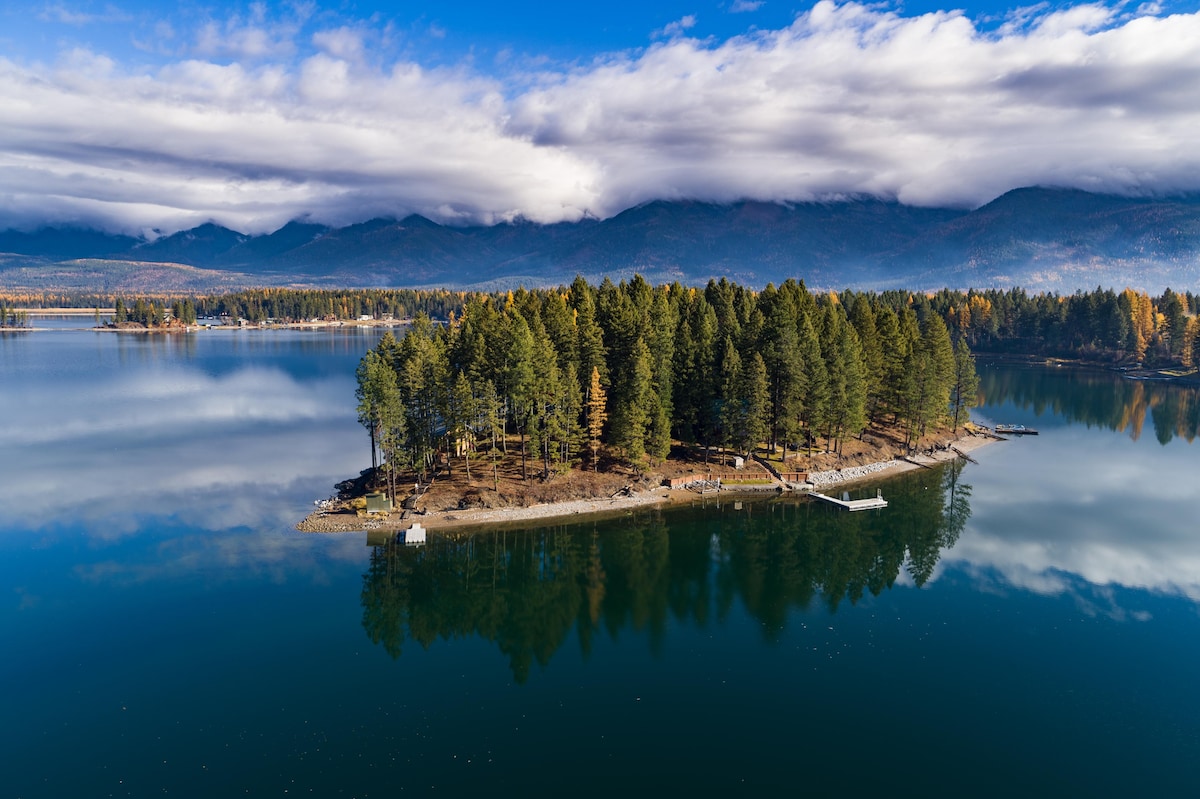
379	502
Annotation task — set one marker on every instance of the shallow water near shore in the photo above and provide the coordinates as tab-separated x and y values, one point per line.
1024	625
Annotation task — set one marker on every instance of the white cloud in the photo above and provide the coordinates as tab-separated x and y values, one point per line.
266	123
676	28
72	15
340	42
746	6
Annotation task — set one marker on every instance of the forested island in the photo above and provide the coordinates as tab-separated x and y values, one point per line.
628	369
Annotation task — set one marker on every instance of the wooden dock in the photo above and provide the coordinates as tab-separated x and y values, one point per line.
1015	430
872	503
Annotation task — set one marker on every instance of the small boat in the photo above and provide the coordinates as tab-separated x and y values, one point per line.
1016	430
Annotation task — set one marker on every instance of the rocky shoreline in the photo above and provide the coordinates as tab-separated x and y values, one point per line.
336	518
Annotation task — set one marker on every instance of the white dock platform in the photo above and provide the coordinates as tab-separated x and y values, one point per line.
872	503
414	536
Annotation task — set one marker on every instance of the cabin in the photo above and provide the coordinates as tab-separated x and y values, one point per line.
379	502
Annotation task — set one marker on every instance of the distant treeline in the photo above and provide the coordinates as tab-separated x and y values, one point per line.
632	367
150	313
259	305
291	305
12	317
56	299
1103	324
1099	325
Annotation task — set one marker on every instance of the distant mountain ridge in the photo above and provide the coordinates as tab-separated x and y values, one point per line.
1039	238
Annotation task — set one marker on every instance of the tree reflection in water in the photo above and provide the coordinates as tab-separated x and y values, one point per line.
527	590
1097	398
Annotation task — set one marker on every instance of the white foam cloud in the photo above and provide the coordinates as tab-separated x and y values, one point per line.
266	120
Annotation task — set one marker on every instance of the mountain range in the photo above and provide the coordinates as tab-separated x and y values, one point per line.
1037	238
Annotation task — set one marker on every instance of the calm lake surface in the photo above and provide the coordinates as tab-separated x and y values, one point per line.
1027	625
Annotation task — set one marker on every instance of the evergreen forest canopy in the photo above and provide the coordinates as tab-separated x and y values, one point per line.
632	367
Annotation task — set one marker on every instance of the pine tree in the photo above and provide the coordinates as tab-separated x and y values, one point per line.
929	373
491	423
597	415
590	337
632	412
780	348
862	317
894	348
520	380
379	410
733	409
850	410
815	392
570	409
964	392
458	421
757	400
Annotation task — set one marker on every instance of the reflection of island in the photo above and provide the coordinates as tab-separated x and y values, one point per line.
1098	398
527	590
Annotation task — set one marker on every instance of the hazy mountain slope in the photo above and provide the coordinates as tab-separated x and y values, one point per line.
1038	238
59	243
1057	238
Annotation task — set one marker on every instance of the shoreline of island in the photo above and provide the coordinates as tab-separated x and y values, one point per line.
330	521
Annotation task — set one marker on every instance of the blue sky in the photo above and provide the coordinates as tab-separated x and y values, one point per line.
131	116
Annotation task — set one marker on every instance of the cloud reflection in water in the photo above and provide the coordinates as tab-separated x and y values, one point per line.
1084	504
214	451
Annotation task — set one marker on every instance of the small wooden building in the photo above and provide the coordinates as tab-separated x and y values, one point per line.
379	502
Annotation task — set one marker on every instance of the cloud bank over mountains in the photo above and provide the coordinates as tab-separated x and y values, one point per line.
260	121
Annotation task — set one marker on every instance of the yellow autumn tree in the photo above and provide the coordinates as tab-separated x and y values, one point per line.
597	414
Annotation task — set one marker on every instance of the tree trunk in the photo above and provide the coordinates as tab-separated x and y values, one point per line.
524	462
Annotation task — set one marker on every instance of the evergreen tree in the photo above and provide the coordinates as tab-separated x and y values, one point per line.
964	391
849	408
520	381
733	409
590	337
490	423
815	392
780	349
462	412
570	409
757	400
894	348
862	317
632	412
379	410
929	372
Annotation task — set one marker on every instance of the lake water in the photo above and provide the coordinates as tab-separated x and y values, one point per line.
1027	625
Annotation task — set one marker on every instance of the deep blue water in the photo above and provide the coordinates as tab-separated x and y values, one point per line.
1024	626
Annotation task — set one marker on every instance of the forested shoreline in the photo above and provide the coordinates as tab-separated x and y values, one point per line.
1102	325
629	368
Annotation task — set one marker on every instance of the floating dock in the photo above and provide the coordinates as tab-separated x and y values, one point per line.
1015	430
872	503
